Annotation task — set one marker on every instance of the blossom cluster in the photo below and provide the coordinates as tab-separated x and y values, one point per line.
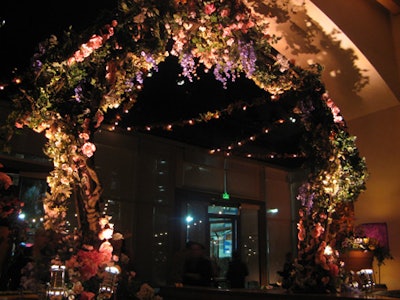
88	262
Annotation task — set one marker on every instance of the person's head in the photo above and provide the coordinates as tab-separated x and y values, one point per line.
196	249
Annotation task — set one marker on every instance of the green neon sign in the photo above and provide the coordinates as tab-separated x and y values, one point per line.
225	196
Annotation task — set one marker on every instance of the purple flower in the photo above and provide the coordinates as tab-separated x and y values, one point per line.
223	72
78	93
188	66
139	77
305	196
149	58
247	58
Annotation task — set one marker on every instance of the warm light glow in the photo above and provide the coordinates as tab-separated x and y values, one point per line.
112	270
328	250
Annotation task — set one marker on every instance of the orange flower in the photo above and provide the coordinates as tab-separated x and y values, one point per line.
301	235
5	180
317	231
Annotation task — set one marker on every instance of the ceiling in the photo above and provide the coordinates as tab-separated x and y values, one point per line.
355	42
250	123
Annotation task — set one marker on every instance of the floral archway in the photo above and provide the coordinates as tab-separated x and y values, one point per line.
77	80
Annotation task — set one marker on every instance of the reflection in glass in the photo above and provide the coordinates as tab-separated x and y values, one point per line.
250	242
195	220
223	210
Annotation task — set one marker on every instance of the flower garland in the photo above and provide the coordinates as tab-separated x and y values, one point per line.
76	81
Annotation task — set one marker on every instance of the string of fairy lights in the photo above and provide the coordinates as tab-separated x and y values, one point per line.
227	150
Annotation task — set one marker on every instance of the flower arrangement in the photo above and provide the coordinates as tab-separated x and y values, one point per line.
360	243
78	79
364	243
86	268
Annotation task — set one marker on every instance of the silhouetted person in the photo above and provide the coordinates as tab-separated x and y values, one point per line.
197	267
237	271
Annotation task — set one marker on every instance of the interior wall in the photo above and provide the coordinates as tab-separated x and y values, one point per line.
279	220
378	139
372	25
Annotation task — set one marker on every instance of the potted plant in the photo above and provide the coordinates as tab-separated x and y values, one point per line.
359	250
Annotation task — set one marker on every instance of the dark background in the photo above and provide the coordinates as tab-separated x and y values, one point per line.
26	23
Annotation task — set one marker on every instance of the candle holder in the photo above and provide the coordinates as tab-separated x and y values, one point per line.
109	284
56	288
366	279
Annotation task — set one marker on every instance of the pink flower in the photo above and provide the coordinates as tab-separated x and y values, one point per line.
78	57
334	270
85	50
95	42
335	110
225	12
106	249
84	136
88	149
209	8
330	103
338	119
85	295
71	61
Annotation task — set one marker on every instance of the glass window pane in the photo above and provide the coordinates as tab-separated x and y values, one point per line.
223	210
221	239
